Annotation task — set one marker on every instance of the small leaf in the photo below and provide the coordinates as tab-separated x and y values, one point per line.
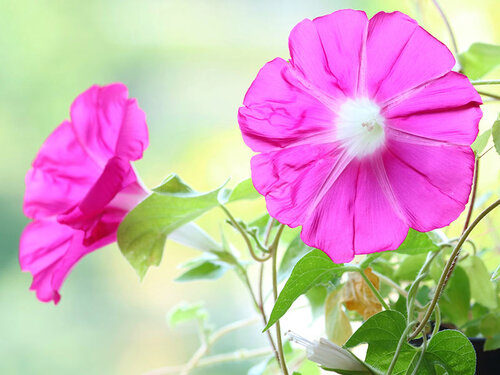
490	324
495	132
337	325
453	351
295	251
492	343
313	269
382	333
142	234
481	287
204	269
186	312
480	59
409	267
481	141
244	190
455	302
417	243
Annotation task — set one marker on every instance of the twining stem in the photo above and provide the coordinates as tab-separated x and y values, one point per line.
402	340
373	289
245	236
274	252
450	265
411	299
243	354
260	307
421	357
211	340
488	82
473	196
448	26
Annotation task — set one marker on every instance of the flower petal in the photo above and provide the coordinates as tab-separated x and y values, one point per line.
328	50
60	176
330	227
377	224
455	126
94	214
291	179
435	96
49	250
431	182
108	123
279	113
401	55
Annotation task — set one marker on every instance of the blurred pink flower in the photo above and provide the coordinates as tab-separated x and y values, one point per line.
81	185
364	133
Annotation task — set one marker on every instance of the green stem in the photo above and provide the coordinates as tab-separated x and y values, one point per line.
245	236
487	82
493	96
373	289
421	357
473	196
402	340
437	320
274	252
448	26
450	265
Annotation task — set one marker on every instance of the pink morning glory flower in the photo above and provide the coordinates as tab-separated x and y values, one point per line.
363	134
81	185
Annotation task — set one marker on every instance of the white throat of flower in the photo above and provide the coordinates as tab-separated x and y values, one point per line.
360	127
327	354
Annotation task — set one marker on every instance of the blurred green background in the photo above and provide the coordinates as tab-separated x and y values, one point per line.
189	64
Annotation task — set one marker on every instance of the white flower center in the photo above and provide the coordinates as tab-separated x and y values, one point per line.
360	127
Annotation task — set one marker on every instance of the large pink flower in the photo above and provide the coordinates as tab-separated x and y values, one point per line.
81	185
364	133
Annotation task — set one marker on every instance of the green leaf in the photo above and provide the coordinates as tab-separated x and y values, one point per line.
481	141
142	234
309	368
204	269
492	343
314	268
495	132
185	312
317	297
409	267
453	351
448	349
490	324
382	332
337	325
244	190
481	287
295	251
417	243
455	302
480	59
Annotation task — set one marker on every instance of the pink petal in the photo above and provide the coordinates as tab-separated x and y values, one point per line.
456	126
451	91
328	50
330	227
290	179
377	223
49	250
107	123
94	214
431	182
401	55
61	175
278	112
